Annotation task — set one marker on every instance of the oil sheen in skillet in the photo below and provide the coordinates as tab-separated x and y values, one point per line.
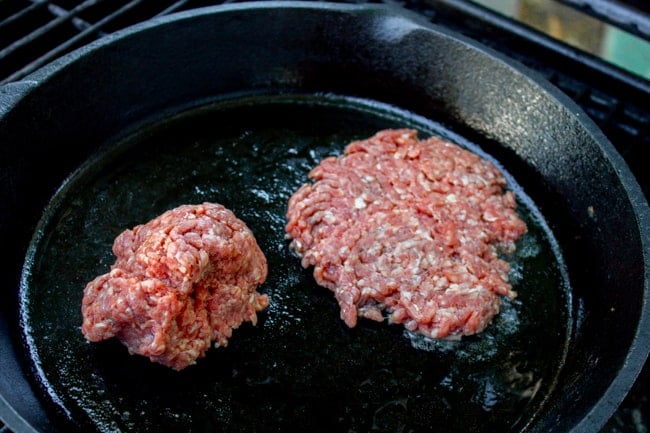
300	367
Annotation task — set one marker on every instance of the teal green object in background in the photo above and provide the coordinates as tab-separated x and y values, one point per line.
577	29
627	51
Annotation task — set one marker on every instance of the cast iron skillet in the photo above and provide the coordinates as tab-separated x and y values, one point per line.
234	104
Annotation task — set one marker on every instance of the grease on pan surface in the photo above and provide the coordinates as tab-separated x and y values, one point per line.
300	365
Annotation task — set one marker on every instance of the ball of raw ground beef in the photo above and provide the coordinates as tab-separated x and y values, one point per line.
410	229
181	281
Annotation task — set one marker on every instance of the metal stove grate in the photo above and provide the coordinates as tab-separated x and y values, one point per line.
36	32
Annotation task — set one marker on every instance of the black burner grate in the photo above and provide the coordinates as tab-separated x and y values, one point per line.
35	32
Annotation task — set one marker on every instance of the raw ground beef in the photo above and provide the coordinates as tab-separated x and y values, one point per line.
409	229
180	281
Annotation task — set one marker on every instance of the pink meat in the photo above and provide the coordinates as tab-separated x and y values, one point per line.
181	281
409	229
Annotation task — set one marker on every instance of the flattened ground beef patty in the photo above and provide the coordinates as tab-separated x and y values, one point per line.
180	281
409	229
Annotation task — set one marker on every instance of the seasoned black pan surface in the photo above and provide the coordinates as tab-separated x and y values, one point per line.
300	366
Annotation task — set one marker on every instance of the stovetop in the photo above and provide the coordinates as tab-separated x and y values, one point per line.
35	32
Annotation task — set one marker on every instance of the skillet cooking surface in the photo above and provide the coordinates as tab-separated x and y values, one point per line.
300	366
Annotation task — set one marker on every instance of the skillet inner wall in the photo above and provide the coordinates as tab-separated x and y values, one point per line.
178	63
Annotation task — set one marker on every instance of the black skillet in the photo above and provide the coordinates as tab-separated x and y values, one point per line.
235	104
